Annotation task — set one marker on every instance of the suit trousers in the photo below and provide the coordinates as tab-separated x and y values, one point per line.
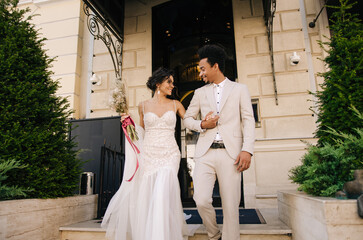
216	163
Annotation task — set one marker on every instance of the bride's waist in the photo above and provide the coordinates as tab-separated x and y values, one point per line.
159	133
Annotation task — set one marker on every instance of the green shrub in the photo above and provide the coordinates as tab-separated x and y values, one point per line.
343	83
326	168
8	192
33	120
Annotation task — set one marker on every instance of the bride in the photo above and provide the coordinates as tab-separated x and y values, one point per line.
149	206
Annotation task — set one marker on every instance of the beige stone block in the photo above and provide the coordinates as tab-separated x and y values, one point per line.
291	20
68	83
248	46
142	58
56	11
136	41
257	8
272	168
129	59
65	64
130	25
134	113
131	98
318	64
288	105
257	65
291	127
62	46
301	211
143	23
135	8
310	7
83	212
243	8
268	203
253	86
80	235
285	5
286	83
286	41
142	94
100	100
280	62
276	23
262	44
303	65
64	28
31	235
99	47
259	133
315	47
22	223
107	112
135	77
102	63
250	26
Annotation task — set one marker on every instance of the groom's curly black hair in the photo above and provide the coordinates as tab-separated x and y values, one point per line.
158	77
214	54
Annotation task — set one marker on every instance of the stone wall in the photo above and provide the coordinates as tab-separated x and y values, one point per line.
278	146
278	140
320	218
40	219
61	23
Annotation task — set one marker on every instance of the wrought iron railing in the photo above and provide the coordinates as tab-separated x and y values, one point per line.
110	177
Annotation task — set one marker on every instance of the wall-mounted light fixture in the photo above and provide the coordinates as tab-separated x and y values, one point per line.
294	59
96	80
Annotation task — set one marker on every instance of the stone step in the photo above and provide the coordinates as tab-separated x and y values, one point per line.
274	229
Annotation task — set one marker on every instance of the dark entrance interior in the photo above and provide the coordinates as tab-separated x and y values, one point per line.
179	29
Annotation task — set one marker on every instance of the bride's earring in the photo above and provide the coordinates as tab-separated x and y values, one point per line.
158	91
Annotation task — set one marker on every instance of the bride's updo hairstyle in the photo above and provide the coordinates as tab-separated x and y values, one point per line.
158	77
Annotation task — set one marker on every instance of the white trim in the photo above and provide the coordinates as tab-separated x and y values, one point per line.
309	58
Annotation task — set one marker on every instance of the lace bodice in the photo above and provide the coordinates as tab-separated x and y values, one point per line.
159	146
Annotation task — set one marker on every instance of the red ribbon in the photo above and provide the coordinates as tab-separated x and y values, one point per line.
125	123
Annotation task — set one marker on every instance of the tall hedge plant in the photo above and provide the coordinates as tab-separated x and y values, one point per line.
343	83
33	120
326	167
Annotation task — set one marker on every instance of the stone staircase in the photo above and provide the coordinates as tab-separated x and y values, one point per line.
274	229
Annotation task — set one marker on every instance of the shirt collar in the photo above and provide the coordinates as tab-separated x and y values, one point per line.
221	84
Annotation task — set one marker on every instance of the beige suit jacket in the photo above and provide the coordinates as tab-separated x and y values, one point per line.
236	123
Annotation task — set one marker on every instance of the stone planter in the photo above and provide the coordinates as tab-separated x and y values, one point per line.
40	219
319	218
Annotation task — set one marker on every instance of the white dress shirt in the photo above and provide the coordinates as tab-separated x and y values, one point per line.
218	91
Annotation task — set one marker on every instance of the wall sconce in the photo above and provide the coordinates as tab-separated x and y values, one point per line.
96	80
294	59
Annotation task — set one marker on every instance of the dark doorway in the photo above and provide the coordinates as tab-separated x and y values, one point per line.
179	29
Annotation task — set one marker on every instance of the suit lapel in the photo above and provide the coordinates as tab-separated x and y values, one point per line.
226	92
211	98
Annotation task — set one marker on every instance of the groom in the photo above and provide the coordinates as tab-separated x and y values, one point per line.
225	144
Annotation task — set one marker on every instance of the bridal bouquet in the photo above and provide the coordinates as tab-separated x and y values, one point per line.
119	104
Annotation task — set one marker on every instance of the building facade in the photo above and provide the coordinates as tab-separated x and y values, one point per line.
86	72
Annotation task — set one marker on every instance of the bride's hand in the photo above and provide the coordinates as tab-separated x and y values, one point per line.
124	116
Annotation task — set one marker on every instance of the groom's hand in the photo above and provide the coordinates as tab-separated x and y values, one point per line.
209	121
243	161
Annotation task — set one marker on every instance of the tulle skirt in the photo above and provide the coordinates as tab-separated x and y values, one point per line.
148	207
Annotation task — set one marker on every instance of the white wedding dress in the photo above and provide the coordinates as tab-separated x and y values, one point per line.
149	207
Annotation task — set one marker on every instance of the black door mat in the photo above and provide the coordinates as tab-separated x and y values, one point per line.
246	216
